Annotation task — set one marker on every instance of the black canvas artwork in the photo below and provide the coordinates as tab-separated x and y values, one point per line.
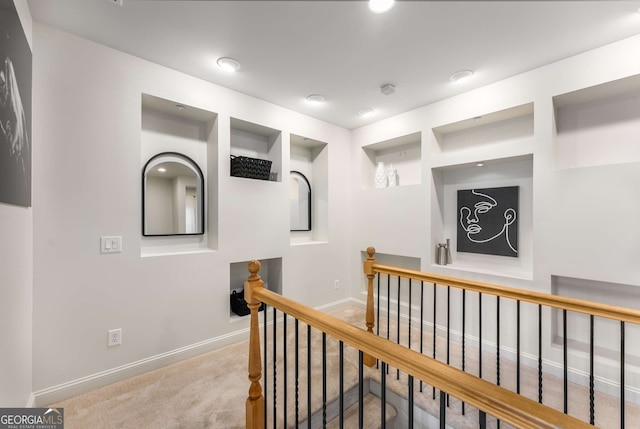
488	221
15	109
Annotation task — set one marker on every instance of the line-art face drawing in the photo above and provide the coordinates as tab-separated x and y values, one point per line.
484	219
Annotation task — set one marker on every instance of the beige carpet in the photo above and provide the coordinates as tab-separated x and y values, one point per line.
209	391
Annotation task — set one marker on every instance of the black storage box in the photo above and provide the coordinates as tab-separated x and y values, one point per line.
252	168
239	305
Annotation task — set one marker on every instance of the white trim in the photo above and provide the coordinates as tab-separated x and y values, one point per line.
82	385
31	402
580	377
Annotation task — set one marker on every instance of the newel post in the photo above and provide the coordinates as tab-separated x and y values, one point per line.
369	317
255	400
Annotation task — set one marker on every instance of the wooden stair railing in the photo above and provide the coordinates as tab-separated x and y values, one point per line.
547	300
564	304
505	405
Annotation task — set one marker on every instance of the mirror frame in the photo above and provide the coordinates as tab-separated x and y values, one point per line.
293	172
183	159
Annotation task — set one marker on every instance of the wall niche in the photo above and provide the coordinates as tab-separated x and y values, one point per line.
270	272
257	141
591	118
171	126
447	181
403	153
311	158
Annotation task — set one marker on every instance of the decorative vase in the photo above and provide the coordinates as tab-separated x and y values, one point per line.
441	254
381	176
392	176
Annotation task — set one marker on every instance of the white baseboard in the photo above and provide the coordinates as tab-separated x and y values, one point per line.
31	402
60	392
555	368
72	388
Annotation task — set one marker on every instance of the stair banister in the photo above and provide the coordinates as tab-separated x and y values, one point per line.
494	400
255	400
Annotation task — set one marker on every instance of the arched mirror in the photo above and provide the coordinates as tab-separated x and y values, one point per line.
300	202
172	196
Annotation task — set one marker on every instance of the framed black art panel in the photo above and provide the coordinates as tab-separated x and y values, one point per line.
488	221
15	109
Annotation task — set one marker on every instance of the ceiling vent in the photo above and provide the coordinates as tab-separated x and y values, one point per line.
387	89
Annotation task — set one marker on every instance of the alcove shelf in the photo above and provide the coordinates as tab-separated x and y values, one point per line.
257	141
447	181
501	134
403	152
311	158
606	342
270	272
172	126
590	118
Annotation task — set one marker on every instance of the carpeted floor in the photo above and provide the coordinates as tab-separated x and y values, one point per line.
209	391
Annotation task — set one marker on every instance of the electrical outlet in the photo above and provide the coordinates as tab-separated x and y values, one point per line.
114	337
336	284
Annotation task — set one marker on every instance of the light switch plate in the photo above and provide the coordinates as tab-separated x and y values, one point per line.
111	244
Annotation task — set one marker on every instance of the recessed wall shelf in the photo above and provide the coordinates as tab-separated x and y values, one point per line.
447	181
404	153
171	126
606	114
257	141
270	272
311	158
505	133
606	342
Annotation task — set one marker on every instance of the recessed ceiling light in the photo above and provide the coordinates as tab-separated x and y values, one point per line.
380	6
366	112
316	99
228	64
162	169
461	76
480	164
180	106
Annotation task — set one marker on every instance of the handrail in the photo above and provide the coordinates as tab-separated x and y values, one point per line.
571	304
494	400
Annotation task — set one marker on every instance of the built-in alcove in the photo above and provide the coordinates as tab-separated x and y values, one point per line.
173	127
403	153
502	134
598	125
257	141
606	331
310	158
447	181
270	272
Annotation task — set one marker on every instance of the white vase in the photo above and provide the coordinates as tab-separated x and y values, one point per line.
381	176
392	176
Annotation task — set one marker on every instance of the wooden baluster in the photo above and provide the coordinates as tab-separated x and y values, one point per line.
255	400
370	321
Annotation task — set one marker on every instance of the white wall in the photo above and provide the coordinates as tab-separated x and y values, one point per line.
580	222
87	178
87	119
16	280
